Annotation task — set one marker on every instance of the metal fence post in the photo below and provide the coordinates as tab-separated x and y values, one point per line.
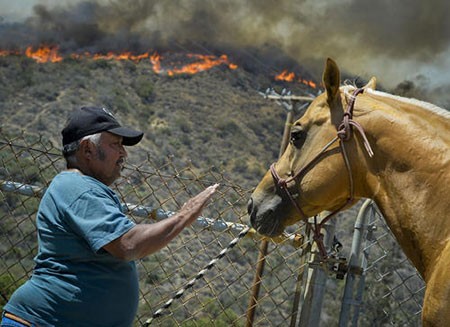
354	268
315	289
299	287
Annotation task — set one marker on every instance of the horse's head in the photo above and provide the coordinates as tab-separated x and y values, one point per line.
312	169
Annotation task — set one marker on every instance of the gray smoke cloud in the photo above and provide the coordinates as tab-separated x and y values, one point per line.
392	40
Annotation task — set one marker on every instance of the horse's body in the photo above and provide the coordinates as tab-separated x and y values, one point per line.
408	177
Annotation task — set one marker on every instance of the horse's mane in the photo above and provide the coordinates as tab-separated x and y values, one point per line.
349	88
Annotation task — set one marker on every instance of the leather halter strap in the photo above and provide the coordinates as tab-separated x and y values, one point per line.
344	134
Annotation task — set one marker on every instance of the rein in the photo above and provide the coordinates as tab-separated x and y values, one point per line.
344	134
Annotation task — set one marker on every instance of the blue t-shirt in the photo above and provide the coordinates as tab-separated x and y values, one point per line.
75	282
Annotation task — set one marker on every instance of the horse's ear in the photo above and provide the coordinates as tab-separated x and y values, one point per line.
331	79
372	84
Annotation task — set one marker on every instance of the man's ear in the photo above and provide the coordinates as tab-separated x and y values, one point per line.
86	149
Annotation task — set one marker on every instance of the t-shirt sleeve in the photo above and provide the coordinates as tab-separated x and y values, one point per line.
98	219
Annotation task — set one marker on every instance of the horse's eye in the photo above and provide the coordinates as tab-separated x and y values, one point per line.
298	136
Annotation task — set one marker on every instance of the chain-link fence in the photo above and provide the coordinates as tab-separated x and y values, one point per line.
387	290
394	291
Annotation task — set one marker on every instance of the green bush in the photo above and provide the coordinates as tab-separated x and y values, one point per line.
100	64
144	88
45	92
228	128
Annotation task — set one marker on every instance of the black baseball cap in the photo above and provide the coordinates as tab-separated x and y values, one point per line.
86	121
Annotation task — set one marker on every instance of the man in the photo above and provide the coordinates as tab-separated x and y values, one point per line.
85	273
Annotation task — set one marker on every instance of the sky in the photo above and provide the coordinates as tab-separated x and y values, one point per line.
396	41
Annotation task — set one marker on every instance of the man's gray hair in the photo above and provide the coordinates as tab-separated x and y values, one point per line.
69	150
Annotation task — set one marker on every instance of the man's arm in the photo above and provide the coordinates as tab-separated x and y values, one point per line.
145	239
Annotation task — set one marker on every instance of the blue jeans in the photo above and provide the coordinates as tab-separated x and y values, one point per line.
8	322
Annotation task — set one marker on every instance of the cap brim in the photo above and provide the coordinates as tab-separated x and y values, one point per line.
130	136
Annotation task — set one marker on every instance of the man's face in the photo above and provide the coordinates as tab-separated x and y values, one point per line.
108	159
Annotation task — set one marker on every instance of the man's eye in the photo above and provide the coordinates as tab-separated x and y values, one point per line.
298	136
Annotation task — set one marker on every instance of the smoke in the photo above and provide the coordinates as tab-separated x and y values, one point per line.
393	40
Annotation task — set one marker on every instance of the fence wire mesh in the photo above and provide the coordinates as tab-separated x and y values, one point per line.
394	290
153	189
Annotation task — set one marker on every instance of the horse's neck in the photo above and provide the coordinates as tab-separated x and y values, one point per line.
411	176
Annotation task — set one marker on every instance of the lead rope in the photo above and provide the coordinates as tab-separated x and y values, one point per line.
158	313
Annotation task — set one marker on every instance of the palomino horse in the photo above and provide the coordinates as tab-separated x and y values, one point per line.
361	143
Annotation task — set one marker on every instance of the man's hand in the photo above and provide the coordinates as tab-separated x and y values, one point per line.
194	206
145	239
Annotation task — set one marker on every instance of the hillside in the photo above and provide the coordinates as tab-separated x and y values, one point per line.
213	118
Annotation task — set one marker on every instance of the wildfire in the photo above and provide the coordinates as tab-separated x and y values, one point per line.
44	54
203	62
155	59
196	62
285	76
111	56
290	77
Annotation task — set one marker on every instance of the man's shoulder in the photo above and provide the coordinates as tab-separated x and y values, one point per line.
75	184
75	178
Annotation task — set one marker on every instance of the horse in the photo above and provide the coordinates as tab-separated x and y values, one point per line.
354	143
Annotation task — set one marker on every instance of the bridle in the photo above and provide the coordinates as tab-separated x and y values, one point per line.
344	134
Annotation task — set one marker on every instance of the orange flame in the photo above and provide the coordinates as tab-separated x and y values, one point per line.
204	62
309	83
44	54
290	77
111	56
155	59
285	76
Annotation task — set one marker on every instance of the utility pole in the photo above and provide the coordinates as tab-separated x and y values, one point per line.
289	103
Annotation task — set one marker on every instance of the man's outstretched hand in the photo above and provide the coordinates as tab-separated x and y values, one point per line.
194	206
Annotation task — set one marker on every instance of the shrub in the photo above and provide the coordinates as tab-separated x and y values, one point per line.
144	89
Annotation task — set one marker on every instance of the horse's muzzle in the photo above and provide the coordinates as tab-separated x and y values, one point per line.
263	218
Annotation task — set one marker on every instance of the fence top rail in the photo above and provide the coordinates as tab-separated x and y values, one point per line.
156	213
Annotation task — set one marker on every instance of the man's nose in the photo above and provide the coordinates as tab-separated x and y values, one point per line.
123	151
